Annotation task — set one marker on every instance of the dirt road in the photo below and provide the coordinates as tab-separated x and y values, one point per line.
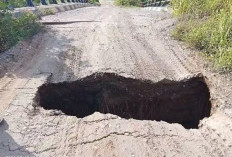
130	42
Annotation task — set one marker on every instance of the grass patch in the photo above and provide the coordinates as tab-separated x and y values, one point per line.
136	3
207	26
49	11
141	3
94	1
12	30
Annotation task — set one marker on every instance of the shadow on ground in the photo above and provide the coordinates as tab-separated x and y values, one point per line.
43	53
8	146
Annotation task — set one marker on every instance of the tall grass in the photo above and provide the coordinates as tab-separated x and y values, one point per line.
206	25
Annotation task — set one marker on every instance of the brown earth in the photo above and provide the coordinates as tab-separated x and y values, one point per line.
131	42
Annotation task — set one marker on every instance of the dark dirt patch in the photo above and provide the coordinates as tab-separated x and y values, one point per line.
184	102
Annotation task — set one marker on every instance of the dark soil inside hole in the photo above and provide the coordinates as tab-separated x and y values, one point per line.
184	102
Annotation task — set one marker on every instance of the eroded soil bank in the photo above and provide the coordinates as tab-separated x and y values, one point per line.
185	102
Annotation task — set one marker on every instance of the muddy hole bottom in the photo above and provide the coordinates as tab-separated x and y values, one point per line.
185	102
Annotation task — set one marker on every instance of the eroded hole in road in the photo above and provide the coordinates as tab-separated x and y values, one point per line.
184	102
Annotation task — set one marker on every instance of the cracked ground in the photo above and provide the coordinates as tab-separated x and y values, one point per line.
131	42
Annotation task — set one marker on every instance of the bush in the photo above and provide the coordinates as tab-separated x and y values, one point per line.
19	3
14	3
206	25
13	29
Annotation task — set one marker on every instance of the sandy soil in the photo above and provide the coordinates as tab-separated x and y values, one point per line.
131	42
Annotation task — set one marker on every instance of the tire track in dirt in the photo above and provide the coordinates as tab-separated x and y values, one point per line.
148	63
17	72
149	33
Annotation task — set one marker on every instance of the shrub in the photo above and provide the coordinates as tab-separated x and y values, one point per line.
14	3
13	29
19	3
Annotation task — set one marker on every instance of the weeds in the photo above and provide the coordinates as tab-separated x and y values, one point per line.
206	25
94	1
49	12
128	2
13	29
141	3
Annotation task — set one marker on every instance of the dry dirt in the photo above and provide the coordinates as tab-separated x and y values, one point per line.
130	42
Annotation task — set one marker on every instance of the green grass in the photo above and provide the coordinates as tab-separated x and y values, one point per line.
12	30
94	1
128	2
138	3
207	26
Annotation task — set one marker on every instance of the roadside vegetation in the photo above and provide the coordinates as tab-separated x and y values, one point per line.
207	26
140	3
94	1
12	29
19	3
129	2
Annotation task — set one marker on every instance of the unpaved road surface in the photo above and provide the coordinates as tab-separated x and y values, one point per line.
130	42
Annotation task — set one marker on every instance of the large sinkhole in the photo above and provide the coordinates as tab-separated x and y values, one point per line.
184	102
